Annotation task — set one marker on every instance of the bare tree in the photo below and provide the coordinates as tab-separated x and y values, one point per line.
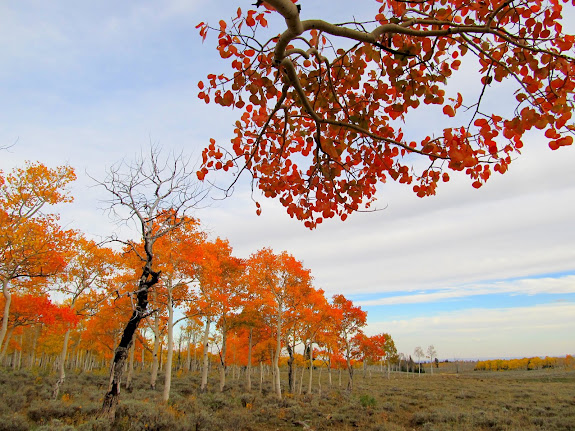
431	353
418	352
154	193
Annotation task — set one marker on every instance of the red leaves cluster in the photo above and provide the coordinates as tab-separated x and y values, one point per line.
321	131
30	309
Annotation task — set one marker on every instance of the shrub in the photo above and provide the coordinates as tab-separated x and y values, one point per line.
95	424
13	422
216	401
367	401
204	421
14	400
139	415
44	411
56	425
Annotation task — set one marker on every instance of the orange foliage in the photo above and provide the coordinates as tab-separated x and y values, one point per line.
320	121
28	310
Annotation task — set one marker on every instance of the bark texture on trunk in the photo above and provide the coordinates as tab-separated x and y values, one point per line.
223	358
148	279
290	362
130	367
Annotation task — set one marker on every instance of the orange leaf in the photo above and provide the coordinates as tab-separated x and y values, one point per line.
449	111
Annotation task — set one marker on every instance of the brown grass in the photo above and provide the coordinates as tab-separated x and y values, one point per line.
512	400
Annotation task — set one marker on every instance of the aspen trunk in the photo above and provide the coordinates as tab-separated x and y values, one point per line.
309	387
329	369
6	344
5	316
195	366
290	362
204	384
19	358
170	354
87	360
188	364
349	368
276	361
148	279
156	348
261	376
249	367
131	366
62	366
223	358
32	360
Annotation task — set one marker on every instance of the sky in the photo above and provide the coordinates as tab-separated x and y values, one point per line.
477	273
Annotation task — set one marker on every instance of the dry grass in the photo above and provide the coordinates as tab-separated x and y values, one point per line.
513	400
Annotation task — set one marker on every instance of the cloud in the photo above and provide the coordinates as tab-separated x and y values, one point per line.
518	226
531	286
477	332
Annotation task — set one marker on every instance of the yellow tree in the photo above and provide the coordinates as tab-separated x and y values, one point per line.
277	277
85	281
218	296
177	252
32	244
350	319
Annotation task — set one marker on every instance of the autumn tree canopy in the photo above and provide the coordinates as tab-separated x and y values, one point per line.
323	105
32	244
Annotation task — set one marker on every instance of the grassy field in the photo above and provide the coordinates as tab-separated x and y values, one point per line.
511	400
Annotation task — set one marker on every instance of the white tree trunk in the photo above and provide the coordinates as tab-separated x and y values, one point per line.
131	365
156	348
188	365
62	366
249	367
6	344
276	361
5	316
170	355
204	384
261	376
309	387
223	358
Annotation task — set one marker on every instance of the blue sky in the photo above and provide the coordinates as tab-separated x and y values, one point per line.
477	273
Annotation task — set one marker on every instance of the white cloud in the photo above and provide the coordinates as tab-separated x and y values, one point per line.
520	225
546	285
471	333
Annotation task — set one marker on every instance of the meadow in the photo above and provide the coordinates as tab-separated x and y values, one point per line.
447	400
